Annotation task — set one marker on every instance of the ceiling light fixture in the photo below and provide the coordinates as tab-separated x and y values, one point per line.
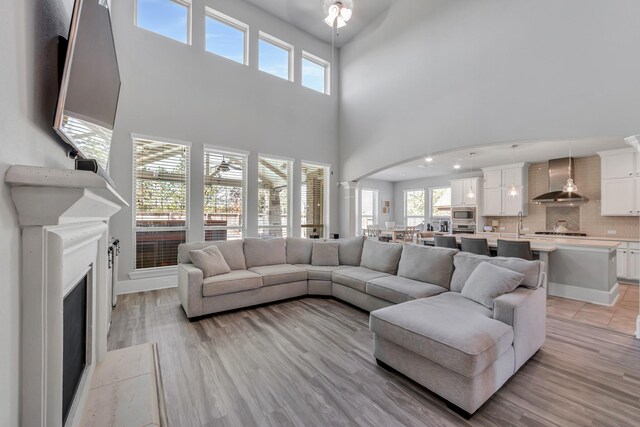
428	159
513	188
470	193
457	166
338	13
570	186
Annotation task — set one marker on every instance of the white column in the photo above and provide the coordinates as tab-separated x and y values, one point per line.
634	141
348	209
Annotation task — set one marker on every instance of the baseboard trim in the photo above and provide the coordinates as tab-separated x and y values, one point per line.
592	296
131	286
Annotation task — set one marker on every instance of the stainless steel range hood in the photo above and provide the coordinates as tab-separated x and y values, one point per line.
559	171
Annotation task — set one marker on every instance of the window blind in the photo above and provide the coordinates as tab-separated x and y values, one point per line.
274	192
161	198
313	196
224	195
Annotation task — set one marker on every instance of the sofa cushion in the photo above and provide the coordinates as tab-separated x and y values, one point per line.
279	274
465	262
232	251
488	282
398	289
299	250
350	251
235	281
325	253
427	264
445	331
210	261
355	277
259	252
320	272
380	256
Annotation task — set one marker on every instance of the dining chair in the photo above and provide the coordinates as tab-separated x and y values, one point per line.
405	236
509	248
475	246
445	242
373	232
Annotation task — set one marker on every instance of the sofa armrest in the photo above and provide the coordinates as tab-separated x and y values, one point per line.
526	311
190	289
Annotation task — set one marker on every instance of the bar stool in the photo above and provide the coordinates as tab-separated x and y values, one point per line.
509	248
445	242
475	246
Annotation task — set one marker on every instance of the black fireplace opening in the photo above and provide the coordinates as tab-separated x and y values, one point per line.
74	353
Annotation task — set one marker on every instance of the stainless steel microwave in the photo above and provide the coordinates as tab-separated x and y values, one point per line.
463	214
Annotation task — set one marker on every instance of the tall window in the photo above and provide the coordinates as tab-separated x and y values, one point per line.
226	37
274	197
170	18
224	195
315	73
440	202
314	196
368	208
275	57
161	198
414	207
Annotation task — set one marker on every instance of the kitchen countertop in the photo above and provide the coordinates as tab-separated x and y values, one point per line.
546	244
612	238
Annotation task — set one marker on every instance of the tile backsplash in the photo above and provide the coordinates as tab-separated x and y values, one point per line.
585	218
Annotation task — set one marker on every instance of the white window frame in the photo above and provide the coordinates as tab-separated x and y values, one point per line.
327	198
375	216
185	3
245	180
424	196
232	22
281	44
429	217
290	163
138	273
327	71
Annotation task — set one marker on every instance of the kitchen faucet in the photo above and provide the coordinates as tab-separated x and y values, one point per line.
519	224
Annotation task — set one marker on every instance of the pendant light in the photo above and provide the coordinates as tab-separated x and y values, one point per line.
338	13
470	194
513	188
570	186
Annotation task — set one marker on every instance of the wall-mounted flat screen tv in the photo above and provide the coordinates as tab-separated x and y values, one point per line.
90	84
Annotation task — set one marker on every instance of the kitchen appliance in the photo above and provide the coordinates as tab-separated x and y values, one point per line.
560	171
444	226
467	215
463	228
557	233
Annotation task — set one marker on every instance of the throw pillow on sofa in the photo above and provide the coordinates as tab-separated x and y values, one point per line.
210	261
465	263
488	282
382	257
299	250
325	254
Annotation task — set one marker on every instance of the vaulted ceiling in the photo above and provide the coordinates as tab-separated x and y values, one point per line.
308	15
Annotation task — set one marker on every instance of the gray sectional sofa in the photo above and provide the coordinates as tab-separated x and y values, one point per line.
423	325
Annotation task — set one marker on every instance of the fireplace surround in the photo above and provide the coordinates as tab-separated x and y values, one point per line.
63	215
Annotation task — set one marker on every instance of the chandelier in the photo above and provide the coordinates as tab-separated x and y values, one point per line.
338	13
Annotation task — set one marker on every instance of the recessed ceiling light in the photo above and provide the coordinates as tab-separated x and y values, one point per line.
422	166
428	159
457	166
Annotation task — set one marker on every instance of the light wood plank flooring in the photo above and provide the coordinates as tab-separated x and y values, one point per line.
308	362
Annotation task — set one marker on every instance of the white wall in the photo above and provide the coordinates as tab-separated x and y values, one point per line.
28	84
441	74
172	90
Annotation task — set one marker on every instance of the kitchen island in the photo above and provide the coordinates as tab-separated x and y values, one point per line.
580	269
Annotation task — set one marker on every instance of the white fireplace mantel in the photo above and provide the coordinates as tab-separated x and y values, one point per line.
63	215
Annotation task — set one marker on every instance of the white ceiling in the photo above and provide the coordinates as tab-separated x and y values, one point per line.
494	155
308	15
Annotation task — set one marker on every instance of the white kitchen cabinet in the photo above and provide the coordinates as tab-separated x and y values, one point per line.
497	182
620	182
619	197
460	192
618	164
493	178
621	260
633	266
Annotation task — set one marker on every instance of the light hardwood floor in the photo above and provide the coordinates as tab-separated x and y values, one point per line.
308	362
